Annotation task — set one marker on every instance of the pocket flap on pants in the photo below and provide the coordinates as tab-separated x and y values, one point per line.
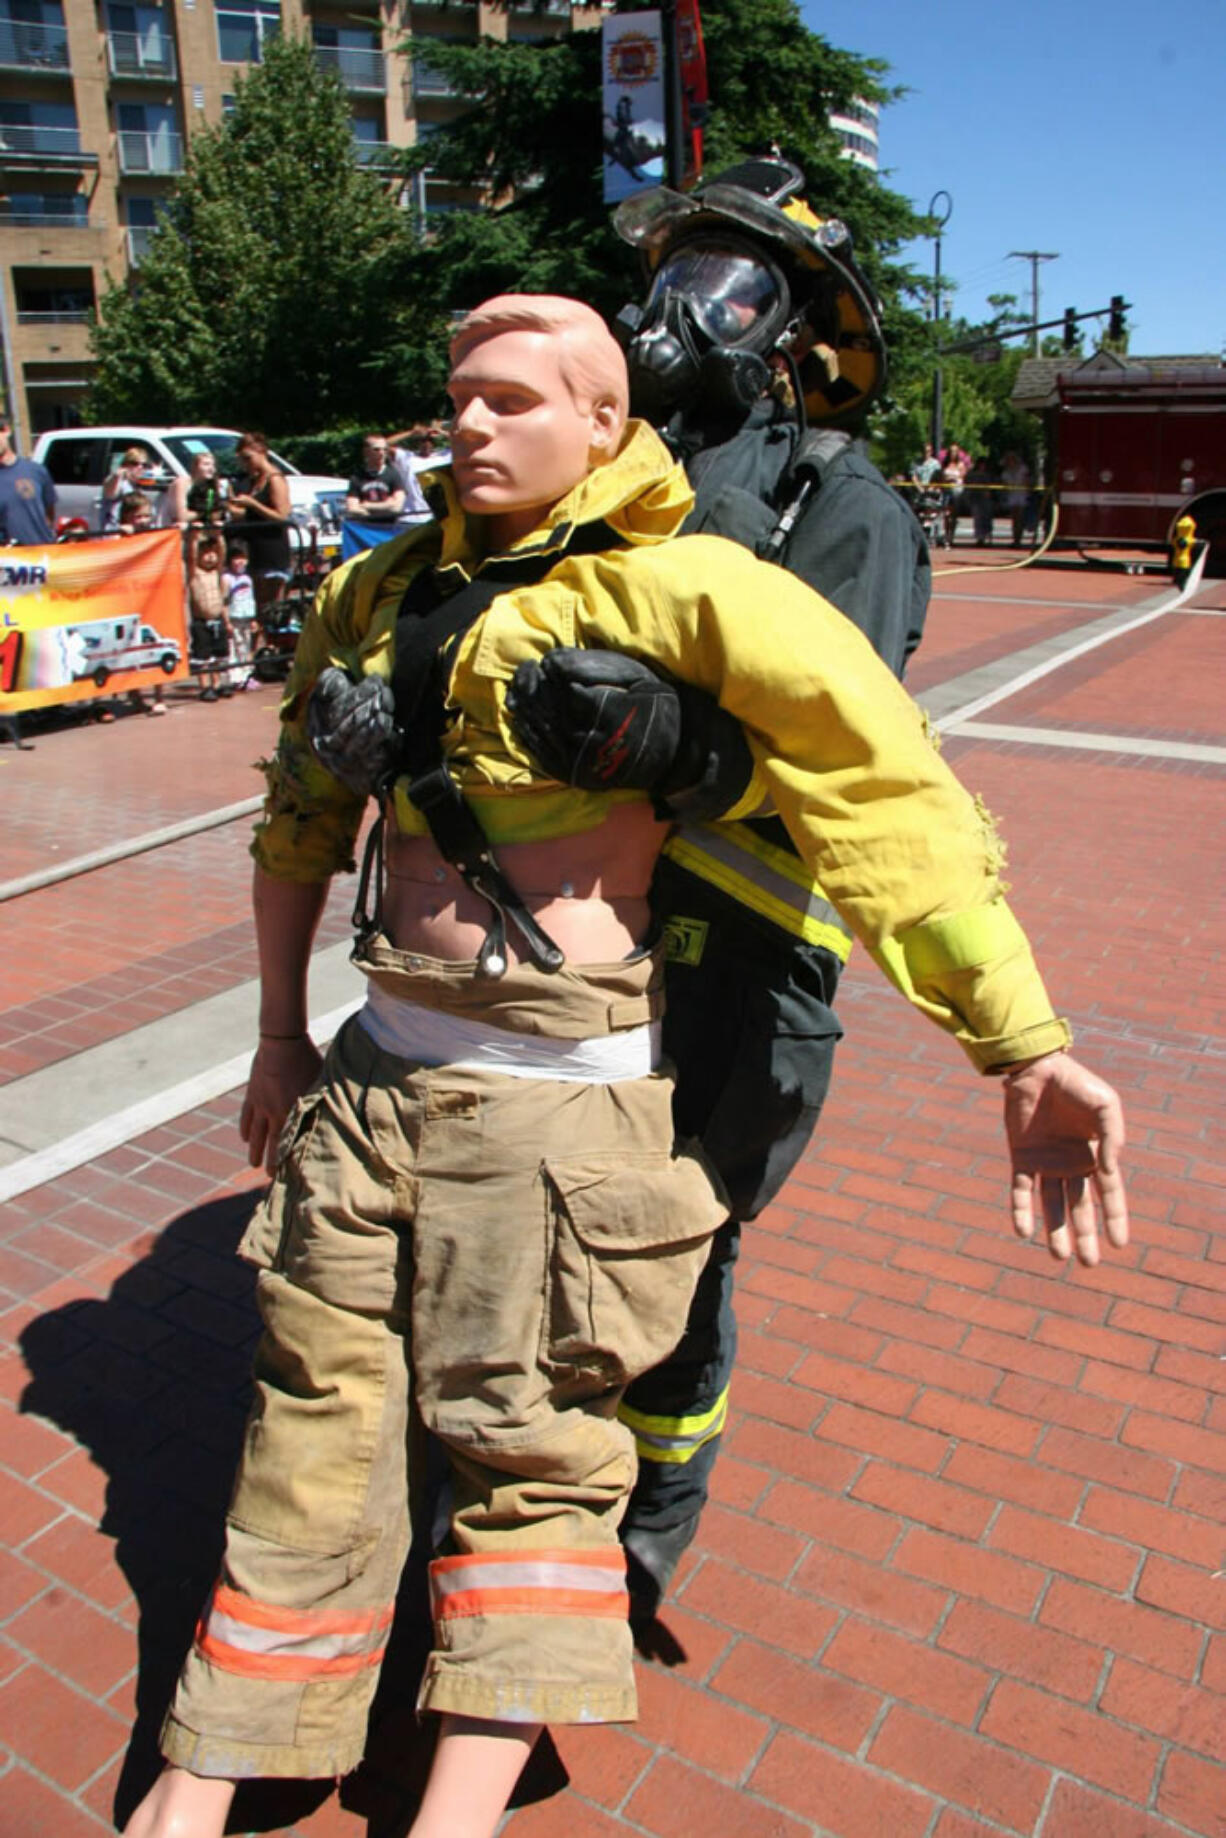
639	1205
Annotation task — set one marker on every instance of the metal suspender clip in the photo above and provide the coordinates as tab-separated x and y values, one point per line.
463	843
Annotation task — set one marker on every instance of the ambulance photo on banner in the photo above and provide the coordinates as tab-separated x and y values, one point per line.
635	136
83	619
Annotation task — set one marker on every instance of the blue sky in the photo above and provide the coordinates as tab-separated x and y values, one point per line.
1096	131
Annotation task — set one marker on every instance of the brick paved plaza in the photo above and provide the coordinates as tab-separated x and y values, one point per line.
965	1572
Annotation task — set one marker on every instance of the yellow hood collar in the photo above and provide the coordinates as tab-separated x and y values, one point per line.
642	494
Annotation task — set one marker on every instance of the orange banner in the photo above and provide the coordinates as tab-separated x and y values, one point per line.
82	619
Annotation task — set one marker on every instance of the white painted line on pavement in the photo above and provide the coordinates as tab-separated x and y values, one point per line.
1153	748
124	1125
1003	690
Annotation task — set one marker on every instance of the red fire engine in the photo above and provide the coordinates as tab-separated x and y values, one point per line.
1135	446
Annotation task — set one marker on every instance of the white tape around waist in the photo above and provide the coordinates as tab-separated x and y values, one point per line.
432	1038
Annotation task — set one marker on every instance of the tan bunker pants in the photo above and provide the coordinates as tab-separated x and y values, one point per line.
501	1255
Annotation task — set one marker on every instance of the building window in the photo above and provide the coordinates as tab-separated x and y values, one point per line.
355	53
142	215
139	41
39	127
243	26
149	138
33	36
47	298
45	210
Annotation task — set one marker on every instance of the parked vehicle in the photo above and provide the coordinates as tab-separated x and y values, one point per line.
79	459
1138	448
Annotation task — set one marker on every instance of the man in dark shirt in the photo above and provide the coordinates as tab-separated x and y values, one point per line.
375	491
27	495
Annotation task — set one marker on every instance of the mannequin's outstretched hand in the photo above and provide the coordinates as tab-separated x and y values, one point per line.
281	1073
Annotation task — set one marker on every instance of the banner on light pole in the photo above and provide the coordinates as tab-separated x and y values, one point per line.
634	101
692	60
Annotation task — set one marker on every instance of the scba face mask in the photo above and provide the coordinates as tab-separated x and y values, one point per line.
687	351
715	312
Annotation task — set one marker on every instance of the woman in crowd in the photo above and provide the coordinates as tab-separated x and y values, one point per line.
132	472
263	509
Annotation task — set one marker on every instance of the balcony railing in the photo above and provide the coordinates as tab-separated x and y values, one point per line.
39	218
427	81
140	54
28	45
21	144
359	69
71	315
139	236
376	152
141	152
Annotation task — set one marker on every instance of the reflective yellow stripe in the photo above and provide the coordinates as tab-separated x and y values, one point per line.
763	877
674	1439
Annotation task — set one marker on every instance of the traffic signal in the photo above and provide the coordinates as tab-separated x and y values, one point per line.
1115	325
1070	328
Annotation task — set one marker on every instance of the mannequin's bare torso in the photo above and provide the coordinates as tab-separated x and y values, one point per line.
588	891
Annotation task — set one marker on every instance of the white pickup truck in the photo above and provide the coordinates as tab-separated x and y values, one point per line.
79	459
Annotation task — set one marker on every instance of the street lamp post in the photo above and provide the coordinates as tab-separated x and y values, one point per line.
940	217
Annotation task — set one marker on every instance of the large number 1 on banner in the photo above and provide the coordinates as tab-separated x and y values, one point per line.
10	661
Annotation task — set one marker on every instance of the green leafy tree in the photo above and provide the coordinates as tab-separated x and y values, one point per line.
977	412
269	296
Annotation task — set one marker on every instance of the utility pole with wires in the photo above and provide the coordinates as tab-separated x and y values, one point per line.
1034	257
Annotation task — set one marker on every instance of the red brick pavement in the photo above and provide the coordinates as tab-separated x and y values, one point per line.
963	1572
111	950
1164	679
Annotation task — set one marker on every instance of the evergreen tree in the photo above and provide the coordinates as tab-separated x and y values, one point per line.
268	297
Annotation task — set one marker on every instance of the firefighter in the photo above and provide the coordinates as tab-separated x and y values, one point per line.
757	354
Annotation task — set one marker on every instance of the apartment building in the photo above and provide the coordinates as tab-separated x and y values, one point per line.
99	100
858	128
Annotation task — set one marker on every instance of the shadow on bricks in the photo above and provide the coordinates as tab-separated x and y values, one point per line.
155	1383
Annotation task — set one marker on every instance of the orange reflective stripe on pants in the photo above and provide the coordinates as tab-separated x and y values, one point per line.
262	1641
530	1583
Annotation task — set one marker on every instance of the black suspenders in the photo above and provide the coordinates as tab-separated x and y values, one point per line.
429	627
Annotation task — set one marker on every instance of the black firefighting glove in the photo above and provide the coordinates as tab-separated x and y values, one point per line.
605	722
352	729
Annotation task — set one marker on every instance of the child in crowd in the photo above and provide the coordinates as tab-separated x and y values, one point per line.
239	590
135	514
211	632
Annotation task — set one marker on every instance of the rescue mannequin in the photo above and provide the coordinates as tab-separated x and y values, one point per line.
749	290
518	1123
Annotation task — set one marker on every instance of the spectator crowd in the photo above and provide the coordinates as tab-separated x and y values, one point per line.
239	557
951	484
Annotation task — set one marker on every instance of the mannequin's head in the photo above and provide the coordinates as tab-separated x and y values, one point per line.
540	394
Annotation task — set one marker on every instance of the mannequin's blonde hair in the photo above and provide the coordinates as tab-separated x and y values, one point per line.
590	357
